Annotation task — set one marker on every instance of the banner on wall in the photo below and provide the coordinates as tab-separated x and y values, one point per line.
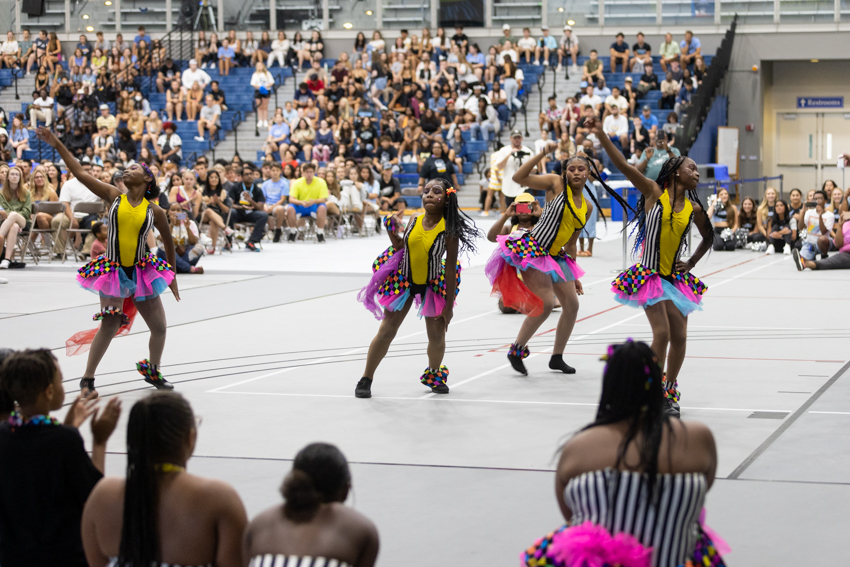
466	13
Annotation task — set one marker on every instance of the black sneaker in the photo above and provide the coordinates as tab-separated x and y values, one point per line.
517	364
672	408
277	234
87	385
364	388
440	389
291	237
796	255
320	237
252	247
557	363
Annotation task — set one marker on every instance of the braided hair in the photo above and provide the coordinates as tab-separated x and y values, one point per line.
594	173
152	192
666	181
458	223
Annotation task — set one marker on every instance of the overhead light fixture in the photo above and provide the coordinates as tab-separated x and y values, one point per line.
347	25
571	22
108	3
368	12
85	16
815	60
89	28
560	9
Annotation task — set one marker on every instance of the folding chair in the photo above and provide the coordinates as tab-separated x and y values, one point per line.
87	209
23	241
48	235
222	238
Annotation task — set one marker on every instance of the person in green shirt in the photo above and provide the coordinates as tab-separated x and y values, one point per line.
669	51
507	36
16	207
652	159
592	71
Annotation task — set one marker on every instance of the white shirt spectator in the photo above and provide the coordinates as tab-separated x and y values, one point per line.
511	188
592	101
44	103
810	219
500	59
568	42
173	142
211	113
619	101
9	47
262	80
527	43
281	45
189	78
74	192
616	123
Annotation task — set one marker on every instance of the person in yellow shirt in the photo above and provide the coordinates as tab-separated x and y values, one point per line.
308	196
421	266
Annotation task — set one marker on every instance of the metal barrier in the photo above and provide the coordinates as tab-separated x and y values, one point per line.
726	184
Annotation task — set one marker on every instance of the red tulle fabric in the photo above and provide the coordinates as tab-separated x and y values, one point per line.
81	342
515	294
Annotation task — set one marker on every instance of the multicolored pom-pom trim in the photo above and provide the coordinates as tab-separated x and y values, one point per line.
516	350
433	378
148	370
16	420
390	223
101	315
672	392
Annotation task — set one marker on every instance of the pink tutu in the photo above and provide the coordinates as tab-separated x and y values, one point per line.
150	278
640	286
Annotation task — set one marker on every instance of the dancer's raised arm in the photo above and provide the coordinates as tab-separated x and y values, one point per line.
648	188
540	182
103	190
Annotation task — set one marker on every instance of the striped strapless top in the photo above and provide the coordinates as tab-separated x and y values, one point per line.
619	501
269	560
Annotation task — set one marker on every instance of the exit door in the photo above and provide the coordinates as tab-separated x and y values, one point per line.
809	146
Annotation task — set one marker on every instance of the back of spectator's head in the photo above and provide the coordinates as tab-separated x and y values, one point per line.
28	374
320	475
160	431
7	402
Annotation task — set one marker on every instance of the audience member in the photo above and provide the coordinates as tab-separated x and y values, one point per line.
691	49
669	51
592	71
569	47
837	261
307	198
723	215
248	206
619	53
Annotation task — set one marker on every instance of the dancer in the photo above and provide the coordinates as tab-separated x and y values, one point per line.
545	256
414	268
661	283
631	485
127	278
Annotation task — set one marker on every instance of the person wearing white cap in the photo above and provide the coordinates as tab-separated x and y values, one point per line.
193	74
568	48
507	36
547	45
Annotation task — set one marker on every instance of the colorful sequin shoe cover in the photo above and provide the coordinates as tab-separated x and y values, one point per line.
152	375
433	378
101	315
521	352
671	391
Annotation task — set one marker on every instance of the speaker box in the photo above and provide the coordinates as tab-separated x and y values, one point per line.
33	7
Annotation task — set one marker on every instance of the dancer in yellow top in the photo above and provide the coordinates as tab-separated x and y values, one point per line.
128	277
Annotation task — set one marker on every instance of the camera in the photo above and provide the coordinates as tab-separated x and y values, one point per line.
523	208
181	216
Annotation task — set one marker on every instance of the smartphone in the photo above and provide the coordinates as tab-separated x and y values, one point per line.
811	204
181	216
523	208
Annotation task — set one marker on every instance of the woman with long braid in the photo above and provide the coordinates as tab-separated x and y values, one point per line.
546	257
128	278
661	283
414	269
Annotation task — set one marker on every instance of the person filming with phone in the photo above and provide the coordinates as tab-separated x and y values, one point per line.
509	159
821	220
187	247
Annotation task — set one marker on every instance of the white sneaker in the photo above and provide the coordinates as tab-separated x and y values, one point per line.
3	280
771	250
485	213
787	251
545	62
536	62
4	264
228	231
560	68
200	139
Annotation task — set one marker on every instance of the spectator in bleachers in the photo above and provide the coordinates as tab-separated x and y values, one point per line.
167	74
582	131
210	118
649	120
648	81
175	100
303	137
547	46
642	53
616	126
568	47
654	157
279	50
262	81
699	69
592	70
307	198
592	100
278	138
639	138
194	75
103	145
16	203
670	51
194	101
438	165
106	119
669	92
264	48
249	207
160	514
276	191
570	117
169	145
10	52
390	190
315	493
42	78
618	100
19	136
526	45
41	109
619	53
601	89
54	51
691	48
630	94
37	51
550	118
226	54
186	237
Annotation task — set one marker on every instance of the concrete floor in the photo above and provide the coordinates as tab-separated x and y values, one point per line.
268	348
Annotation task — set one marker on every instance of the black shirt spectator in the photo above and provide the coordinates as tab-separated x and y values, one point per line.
78	142
387	154
45	478
650	79
334	92
389	188
641	144
460	38
437	167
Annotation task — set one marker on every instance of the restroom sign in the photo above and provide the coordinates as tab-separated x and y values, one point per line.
820	102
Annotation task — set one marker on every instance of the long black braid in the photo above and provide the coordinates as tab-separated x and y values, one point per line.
665	180
458	223
594	173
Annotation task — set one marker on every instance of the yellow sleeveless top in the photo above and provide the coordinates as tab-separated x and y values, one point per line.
130	221
569	224
671	236
419	245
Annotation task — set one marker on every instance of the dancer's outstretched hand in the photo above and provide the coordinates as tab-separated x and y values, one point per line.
579	288
45	135
173	286
80	410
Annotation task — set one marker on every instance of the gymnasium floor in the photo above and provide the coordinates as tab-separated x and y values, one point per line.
268	348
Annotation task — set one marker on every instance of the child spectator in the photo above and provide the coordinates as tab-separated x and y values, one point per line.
98	247
45	474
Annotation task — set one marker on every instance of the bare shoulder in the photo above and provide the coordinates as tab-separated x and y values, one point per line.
217	493
268	517
695	431
356	522
109	487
